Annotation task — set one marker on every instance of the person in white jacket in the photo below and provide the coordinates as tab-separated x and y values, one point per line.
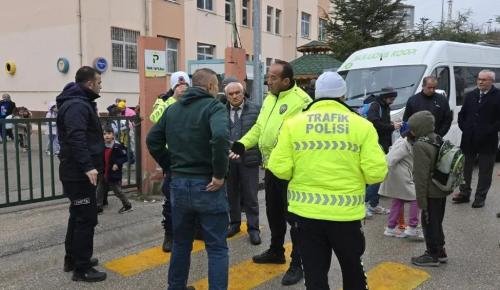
399	186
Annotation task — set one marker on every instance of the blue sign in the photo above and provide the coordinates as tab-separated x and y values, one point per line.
63	65
101	64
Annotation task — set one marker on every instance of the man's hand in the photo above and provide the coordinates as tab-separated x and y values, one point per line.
397	125
92	175
215	184
425	216
233	156
115	167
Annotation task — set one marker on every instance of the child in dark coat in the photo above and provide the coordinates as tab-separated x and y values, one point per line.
115	155
430	198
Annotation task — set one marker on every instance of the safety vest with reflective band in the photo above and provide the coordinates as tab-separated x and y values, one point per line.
274	111
159	107
329	153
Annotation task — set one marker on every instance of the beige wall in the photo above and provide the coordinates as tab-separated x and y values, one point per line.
52	32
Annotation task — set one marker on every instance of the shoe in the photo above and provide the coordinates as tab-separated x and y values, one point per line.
269	257
478	203
378	210
233	230
91	275
442	257
425	260
100	210
460	198
292	276
254	237
498	215
414	234
190	288
368	214
167	244
126	208
70	266
395	232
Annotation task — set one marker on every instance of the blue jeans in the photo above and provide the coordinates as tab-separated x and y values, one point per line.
190	201
372	196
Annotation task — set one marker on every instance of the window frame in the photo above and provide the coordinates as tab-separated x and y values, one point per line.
244	13
227	10
322	23
211	46
305	23
269	19
205	5
176	51
277	21
125	44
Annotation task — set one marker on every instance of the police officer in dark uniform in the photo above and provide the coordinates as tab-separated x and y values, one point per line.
81	160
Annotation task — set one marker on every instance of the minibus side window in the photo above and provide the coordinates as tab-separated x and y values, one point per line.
442	74
465	81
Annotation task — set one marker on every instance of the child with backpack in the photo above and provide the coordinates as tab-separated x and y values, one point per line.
115	155
399	186
430	198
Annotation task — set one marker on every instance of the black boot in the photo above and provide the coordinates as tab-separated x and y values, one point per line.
69	265
91	275
292	276
167	243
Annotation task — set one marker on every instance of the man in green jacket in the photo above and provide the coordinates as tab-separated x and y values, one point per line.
196	131
284	101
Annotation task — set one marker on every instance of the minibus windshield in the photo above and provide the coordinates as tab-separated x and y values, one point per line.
363	83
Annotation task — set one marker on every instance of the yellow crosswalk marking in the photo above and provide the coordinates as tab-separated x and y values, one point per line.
152	258
248	275
395	276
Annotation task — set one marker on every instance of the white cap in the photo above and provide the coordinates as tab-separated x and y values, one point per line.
330	85
176	76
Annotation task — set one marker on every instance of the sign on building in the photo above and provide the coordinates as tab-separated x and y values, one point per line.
155	63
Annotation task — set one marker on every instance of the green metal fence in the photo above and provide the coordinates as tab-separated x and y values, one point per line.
29	167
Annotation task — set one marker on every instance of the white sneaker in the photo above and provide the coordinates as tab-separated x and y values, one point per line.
395	232
378	210
414	234
368	213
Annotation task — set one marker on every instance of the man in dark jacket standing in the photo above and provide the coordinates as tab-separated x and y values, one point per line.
242	183
81	156
479	121
380	115
195	129
429	100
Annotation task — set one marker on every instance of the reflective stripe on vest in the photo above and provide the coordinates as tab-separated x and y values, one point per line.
326	199
326	145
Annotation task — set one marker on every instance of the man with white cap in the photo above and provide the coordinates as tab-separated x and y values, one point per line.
179	81
328	153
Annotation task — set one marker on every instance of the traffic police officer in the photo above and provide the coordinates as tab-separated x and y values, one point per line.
284	100
179	81
329	152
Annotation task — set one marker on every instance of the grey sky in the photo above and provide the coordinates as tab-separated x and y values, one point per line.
482	10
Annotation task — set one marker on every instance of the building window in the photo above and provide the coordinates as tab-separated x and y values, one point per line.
322	29
124	48
205	4
277	20
228	11
269	61
269	24
305	24
205	51
172	45
244	12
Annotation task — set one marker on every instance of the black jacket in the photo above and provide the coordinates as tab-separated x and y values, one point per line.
118	157
437	105
480	122
79	132
196	130
380	115
248	118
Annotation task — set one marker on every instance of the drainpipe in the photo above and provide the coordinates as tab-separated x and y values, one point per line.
146	17
80	41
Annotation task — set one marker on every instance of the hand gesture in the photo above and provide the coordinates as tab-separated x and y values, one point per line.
215	184
92	175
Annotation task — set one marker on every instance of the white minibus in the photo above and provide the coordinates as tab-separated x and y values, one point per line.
403	66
